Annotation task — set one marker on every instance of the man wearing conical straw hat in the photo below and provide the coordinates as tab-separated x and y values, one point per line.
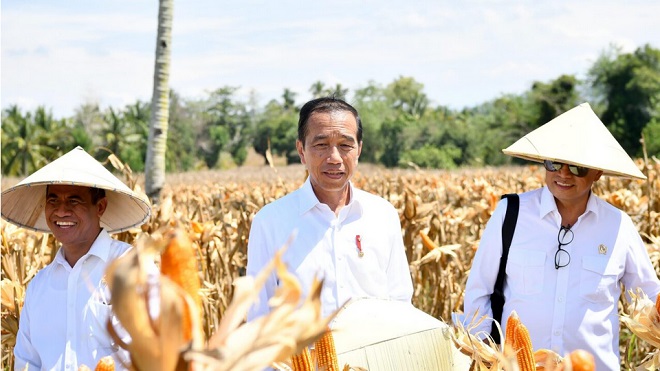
570	250
67	306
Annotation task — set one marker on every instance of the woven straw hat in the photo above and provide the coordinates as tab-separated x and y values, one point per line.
577	137
24	203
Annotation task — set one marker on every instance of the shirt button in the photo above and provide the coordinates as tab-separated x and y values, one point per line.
557	333
560	299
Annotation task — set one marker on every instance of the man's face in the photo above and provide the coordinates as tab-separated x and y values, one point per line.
568	188
71	215
331	151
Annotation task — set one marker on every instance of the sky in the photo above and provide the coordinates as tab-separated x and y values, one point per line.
62	54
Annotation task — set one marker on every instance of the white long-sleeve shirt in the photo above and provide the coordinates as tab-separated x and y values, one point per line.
326	247
574	307
63	321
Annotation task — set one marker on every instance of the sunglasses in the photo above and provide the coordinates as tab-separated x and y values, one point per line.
578	171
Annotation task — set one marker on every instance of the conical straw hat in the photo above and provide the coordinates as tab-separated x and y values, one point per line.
577	137
24	203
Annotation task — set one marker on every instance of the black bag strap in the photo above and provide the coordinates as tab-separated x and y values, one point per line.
508	228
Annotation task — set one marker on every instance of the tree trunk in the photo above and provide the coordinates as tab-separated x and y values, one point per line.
160	105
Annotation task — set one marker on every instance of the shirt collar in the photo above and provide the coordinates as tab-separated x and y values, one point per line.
549	205
98	249
308	199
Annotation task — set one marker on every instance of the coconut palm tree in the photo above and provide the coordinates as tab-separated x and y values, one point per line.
157	141
28	141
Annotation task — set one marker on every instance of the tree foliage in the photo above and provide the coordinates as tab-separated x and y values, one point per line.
628	87
401	126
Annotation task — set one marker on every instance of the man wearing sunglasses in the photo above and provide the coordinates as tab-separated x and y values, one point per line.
570	250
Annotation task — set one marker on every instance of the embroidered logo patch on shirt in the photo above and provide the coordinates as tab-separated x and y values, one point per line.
602	249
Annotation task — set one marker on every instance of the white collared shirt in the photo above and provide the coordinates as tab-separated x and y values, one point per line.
325	246
63	321
574	307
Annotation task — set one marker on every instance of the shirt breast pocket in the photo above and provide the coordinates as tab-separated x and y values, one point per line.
95	321
525	271
598	280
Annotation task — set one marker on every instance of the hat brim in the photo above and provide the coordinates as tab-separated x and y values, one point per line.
577	137
24	203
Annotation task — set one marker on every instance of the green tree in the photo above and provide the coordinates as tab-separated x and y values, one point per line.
277	130
289	98
554	98
406	95
29	141
317	89
226	127
393	146
183	129
133	151
338	91
374	109
430	156
625	85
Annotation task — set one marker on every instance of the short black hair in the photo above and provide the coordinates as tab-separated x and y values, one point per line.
97	194
325	104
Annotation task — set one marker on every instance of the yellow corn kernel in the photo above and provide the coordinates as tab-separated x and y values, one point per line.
179	263
326	354
523	347
106	363
302	361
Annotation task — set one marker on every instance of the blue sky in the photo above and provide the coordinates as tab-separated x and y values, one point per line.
63	53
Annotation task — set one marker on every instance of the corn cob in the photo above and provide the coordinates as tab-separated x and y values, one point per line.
326	355
511	323
523	347
427	242
179	263
410	207
581	360
302	361
106	363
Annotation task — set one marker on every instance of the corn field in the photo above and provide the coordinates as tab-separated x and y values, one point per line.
442	216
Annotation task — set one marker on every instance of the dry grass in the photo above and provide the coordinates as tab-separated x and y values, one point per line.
451	208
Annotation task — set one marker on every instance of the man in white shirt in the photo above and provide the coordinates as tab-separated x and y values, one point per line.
349	238
63	323
571	250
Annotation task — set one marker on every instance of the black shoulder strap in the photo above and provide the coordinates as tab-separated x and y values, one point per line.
508	227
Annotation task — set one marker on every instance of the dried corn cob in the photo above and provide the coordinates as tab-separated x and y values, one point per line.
581	360
106	363
302	361
179	263
326	355
427	242
523	347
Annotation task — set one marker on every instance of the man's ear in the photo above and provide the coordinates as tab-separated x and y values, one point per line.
299	147
101	205
598	175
